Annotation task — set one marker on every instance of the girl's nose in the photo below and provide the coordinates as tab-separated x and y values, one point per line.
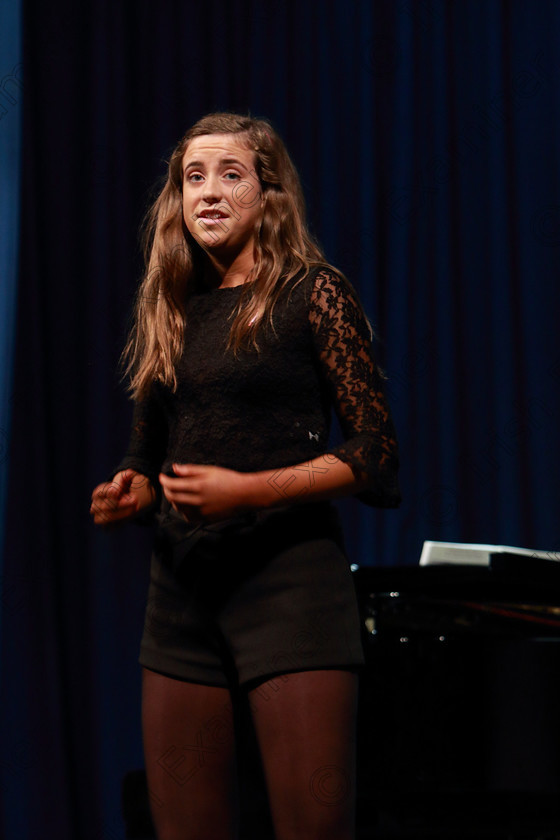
212	191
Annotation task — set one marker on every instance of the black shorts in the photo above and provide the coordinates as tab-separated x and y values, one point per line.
251	598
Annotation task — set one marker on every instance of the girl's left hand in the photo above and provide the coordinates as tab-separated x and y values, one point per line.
205	492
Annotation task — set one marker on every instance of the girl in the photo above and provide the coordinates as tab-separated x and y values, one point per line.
243	339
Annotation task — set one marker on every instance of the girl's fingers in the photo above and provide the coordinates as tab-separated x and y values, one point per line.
106	507
182	480
106	491
105	516
184	491
185	496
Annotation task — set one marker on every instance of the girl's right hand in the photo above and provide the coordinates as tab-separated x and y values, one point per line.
121	499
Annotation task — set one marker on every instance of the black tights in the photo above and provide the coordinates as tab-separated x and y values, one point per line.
305	726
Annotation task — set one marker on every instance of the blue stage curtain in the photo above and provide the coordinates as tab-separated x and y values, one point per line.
426	133
11	91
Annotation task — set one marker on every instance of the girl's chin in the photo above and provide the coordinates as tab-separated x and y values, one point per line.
210	245
224	245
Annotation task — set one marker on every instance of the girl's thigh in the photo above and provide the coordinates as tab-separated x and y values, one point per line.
189	747
306	729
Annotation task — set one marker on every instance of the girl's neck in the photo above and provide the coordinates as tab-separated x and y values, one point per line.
221	272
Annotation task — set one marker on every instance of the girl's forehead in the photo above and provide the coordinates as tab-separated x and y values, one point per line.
217	144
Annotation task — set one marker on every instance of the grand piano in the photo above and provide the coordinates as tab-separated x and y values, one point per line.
459	721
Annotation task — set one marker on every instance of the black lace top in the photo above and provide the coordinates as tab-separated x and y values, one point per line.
272	408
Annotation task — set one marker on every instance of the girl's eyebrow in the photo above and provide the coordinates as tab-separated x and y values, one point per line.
223	162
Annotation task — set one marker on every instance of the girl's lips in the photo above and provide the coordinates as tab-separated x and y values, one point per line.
210	220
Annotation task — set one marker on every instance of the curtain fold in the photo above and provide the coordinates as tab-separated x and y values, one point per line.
11	91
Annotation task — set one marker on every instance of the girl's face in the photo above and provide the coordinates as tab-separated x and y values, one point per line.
222	198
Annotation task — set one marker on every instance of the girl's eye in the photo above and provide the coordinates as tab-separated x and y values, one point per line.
232	175
194	177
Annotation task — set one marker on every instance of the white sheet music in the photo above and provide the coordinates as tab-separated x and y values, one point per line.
474	554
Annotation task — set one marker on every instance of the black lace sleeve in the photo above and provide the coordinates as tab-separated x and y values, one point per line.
344	348
148	442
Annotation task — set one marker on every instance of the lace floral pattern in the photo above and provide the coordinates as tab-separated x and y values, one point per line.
343	343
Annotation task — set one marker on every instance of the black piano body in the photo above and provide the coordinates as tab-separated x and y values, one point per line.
459	718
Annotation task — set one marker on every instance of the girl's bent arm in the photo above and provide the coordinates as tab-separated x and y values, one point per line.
211	493
323	478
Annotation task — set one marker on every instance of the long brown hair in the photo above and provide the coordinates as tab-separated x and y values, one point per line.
174	261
